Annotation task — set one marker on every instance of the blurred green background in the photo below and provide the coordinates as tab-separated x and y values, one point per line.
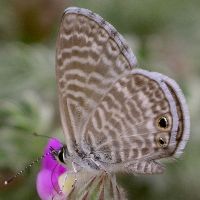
164	35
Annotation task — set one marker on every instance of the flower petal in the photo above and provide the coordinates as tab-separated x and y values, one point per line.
48	162
47	179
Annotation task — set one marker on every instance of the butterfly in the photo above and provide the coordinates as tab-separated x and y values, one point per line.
115	116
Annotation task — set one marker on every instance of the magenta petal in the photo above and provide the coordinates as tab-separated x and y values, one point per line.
47	179
48	162
44	185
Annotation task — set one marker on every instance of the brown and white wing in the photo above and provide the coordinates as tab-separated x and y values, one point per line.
137	122
91	57
182	136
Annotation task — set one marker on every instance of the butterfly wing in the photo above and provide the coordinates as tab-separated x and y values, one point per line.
91	56
182	136
139	120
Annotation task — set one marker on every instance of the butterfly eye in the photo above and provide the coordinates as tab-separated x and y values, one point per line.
61	156
162	142
163	122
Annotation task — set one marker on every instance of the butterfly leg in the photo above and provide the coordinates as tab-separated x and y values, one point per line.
65	178
75	169
101	167
145	167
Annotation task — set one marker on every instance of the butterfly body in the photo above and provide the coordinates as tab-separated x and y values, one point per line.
115	117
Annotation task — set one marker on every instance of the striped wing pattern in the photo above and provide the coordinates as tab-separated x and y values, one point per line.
91	57
124	127
183	132
110	107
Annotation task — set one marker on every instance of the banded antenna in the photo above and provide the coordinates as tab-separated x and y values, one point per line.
51	152
9	180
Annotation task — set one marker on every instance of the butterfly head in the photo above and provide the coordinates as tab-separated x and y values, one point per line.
60	155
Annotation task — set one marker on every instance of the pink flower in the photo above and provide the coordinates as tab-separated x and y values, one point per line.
51	170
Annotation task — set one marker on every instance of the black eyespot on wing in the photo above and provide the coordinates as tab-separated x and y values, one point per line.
162	142
163	122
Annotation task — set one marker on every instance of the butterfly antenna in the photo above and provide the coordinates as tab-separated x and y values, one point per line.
6	182
44	136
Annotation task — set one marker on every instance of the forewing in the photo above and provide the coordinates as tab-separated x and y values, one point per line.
126	125
91	57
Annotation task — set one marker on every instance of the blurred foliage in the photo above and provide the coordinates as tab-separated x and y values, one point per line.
164	35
